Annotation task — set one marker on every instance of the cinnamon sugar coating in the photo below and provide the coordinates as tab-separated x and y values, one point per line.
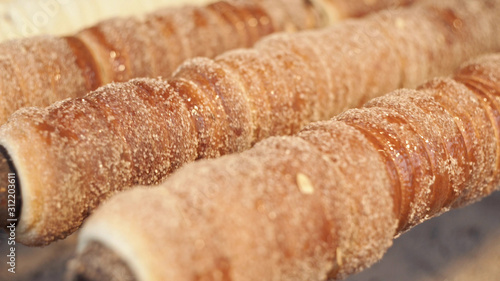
319	205
73	155
41	70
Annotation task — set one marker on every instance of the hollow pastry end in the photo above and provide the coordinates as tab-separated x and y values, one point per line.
98	262
10	191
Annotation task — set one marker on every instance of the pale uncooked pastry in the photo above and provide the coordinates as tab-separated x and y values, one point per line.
73	155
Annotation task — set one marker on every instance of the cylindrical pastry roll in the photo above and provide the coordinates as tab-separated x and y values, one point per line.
39	71
319	205
74	154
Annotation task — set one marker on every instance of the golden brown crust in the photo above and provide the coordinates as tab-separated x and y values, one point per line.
27	78
41	70
86	62
139	132
319	205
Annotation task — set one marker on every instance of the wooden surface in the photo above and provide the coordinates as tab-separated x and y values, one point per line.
460	245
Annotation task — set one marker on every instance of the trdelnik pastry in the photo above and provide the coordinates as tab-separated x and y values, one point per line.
73	155
39	71
319	205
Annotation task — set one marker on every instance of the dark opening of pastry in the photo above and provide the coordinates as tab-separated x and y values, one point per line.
98	262
10	191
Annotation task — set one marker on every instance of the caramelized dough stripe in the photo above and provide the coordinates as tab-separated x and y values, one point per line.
486	96
441	181
390	167
261	20
184	152
119	61
255	85
444	186
218	144
225	12
86	62
176	51
470	126
392	148
204	109
415	106
254	29
482	167
463	145
311	94
169	149
192	100
238	17
420	166
113	120
109	64
292	68
234	105
204	22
